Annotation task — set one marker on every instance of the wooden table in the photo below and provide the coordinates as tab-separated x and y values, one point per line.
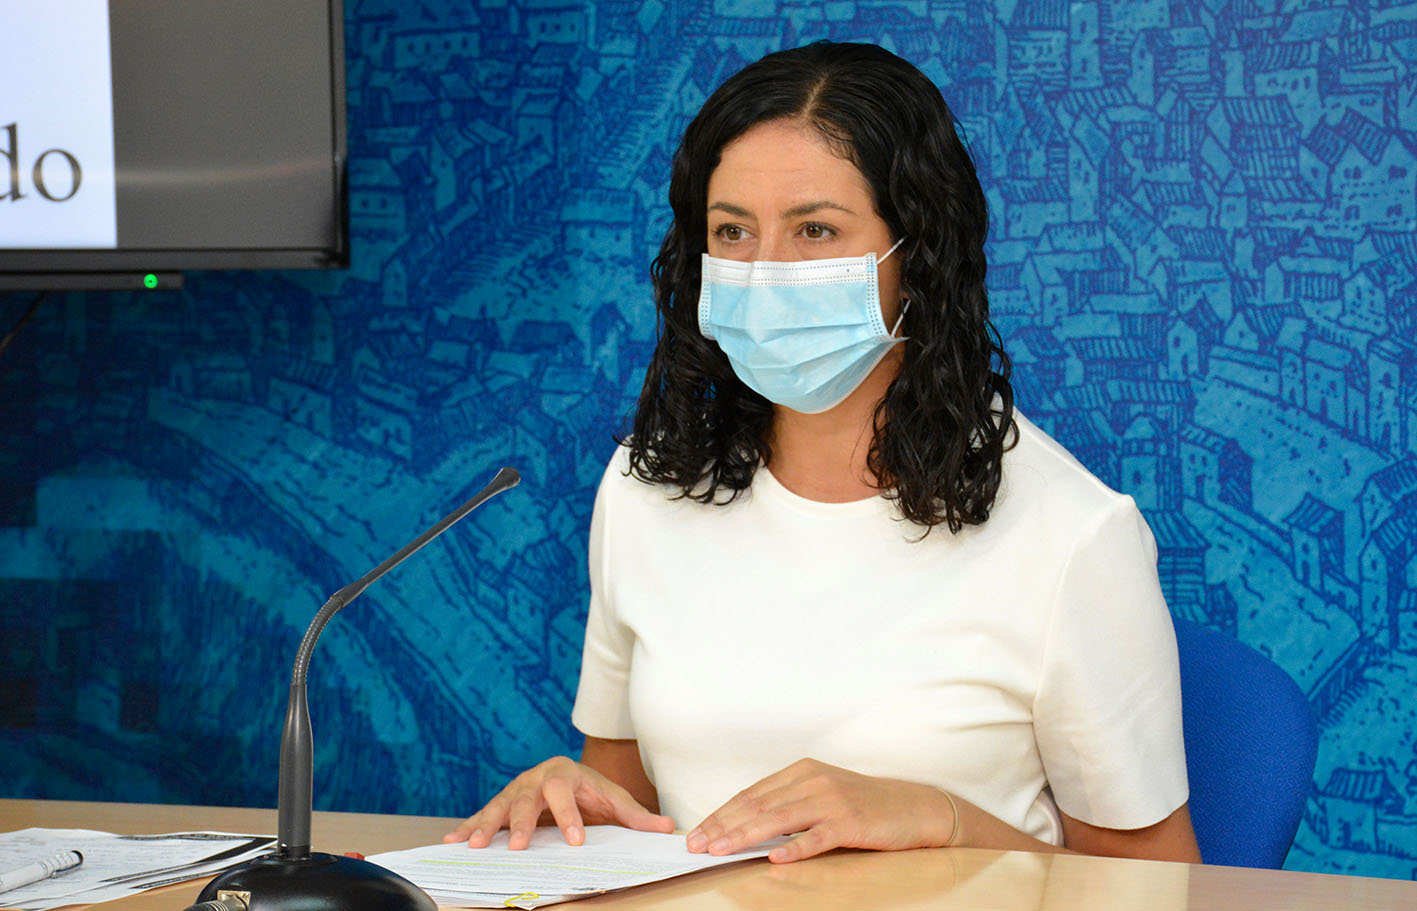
937	880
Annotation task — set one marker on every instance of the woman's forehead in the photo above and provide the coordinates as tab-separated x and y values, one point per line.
787	167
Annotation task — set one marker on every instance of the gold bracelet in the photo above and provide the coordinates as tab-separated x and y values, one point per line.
954	830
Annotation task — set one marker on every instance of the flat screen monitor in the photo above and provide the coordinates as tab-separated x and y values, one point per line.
141	137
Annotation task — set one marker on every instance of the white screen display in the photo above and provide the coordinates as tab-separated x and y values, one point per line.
57	185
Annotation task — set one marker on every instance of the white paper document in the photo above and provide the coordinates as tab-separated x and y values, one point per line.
118	865
550	870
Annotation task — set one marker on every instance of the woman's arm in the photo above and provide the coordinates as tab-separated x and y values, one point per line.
619	760
1171	839
827	807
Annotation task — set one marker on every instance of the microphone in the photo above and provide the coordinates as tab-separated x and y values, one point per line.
292	878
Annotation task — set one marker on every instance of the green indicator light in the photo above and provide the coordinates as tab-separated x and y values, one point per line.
150	281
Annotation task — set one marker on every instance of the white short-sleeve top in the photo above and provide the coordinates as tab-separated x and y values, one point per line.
1027	664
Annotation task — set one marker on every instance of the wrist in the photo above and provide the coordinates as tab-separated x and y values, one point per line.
942	826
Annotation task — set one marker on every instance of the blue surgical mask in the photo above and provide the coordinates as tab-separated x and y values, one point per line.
802	334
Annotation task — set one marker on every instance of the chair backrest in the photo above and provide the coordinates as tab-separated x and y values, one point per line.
1251	745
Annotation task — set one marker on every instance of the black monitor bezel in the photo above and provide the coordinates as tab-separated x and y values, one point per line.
88	264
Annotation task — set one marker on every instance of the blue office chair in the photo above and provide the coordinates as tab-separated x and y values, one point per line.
1251	745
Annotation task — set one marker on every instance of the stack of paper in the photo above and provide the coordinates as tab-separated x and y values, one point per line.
118	865
550	870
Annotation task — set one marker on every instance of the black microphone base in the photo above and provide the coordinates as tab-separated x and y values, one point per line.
320	882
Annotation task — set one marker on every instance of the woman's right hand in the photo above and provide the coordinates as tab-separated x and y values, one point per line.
574	794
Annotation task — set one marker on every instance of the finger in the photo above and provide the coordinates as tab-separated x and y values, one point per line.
783	813
720	821
522	817
650	822
479	828
627	811
460	833
561	799
747	805
814	841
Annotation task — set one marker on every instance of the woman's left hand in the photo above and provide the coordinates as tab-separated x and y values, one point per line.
831	808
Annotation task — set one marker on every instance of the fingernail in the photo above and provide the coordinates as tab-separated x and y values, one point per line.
573	836
777	855
698	841
719	847
475	835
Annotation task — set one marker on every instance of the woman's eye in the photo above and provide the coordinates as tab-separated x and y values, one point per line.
815	231
729	232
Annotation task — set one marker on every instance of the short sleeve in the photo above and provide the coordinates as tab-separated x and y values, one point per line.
602	707
1107	714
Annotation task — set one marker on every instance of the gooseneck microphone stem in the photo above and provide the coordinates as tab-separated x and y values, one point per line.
296	744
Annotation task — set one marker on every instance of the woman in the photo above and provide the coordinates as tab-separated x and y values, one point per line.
778	643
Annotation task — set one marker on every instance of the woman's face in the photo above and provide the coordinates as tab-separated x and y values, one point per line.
781	194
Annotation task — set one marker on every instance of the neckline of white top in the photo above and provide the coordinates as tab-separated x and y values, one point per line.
765	483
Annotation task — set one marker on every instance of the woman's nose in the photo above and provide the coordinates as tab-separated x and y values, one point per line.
774	248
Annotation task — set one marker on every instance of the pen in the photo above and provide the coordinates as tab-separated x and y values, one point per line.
39	870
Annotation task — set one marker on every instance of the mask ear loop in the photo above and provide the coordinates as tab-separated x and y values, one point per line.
905	305
899	319
895	246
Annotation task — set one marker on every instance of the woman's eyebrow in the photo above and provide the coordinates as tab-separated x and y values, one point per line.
731	209
807	208
797	211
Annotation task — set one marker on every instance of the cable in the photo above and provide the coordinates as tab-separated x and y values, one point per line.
10	336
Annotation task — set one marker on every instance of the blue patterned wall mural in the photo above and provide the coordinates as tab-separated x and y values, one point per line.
1203	261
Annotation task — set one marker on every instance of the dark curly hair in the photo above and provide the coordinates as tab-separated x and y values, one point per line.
947	418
